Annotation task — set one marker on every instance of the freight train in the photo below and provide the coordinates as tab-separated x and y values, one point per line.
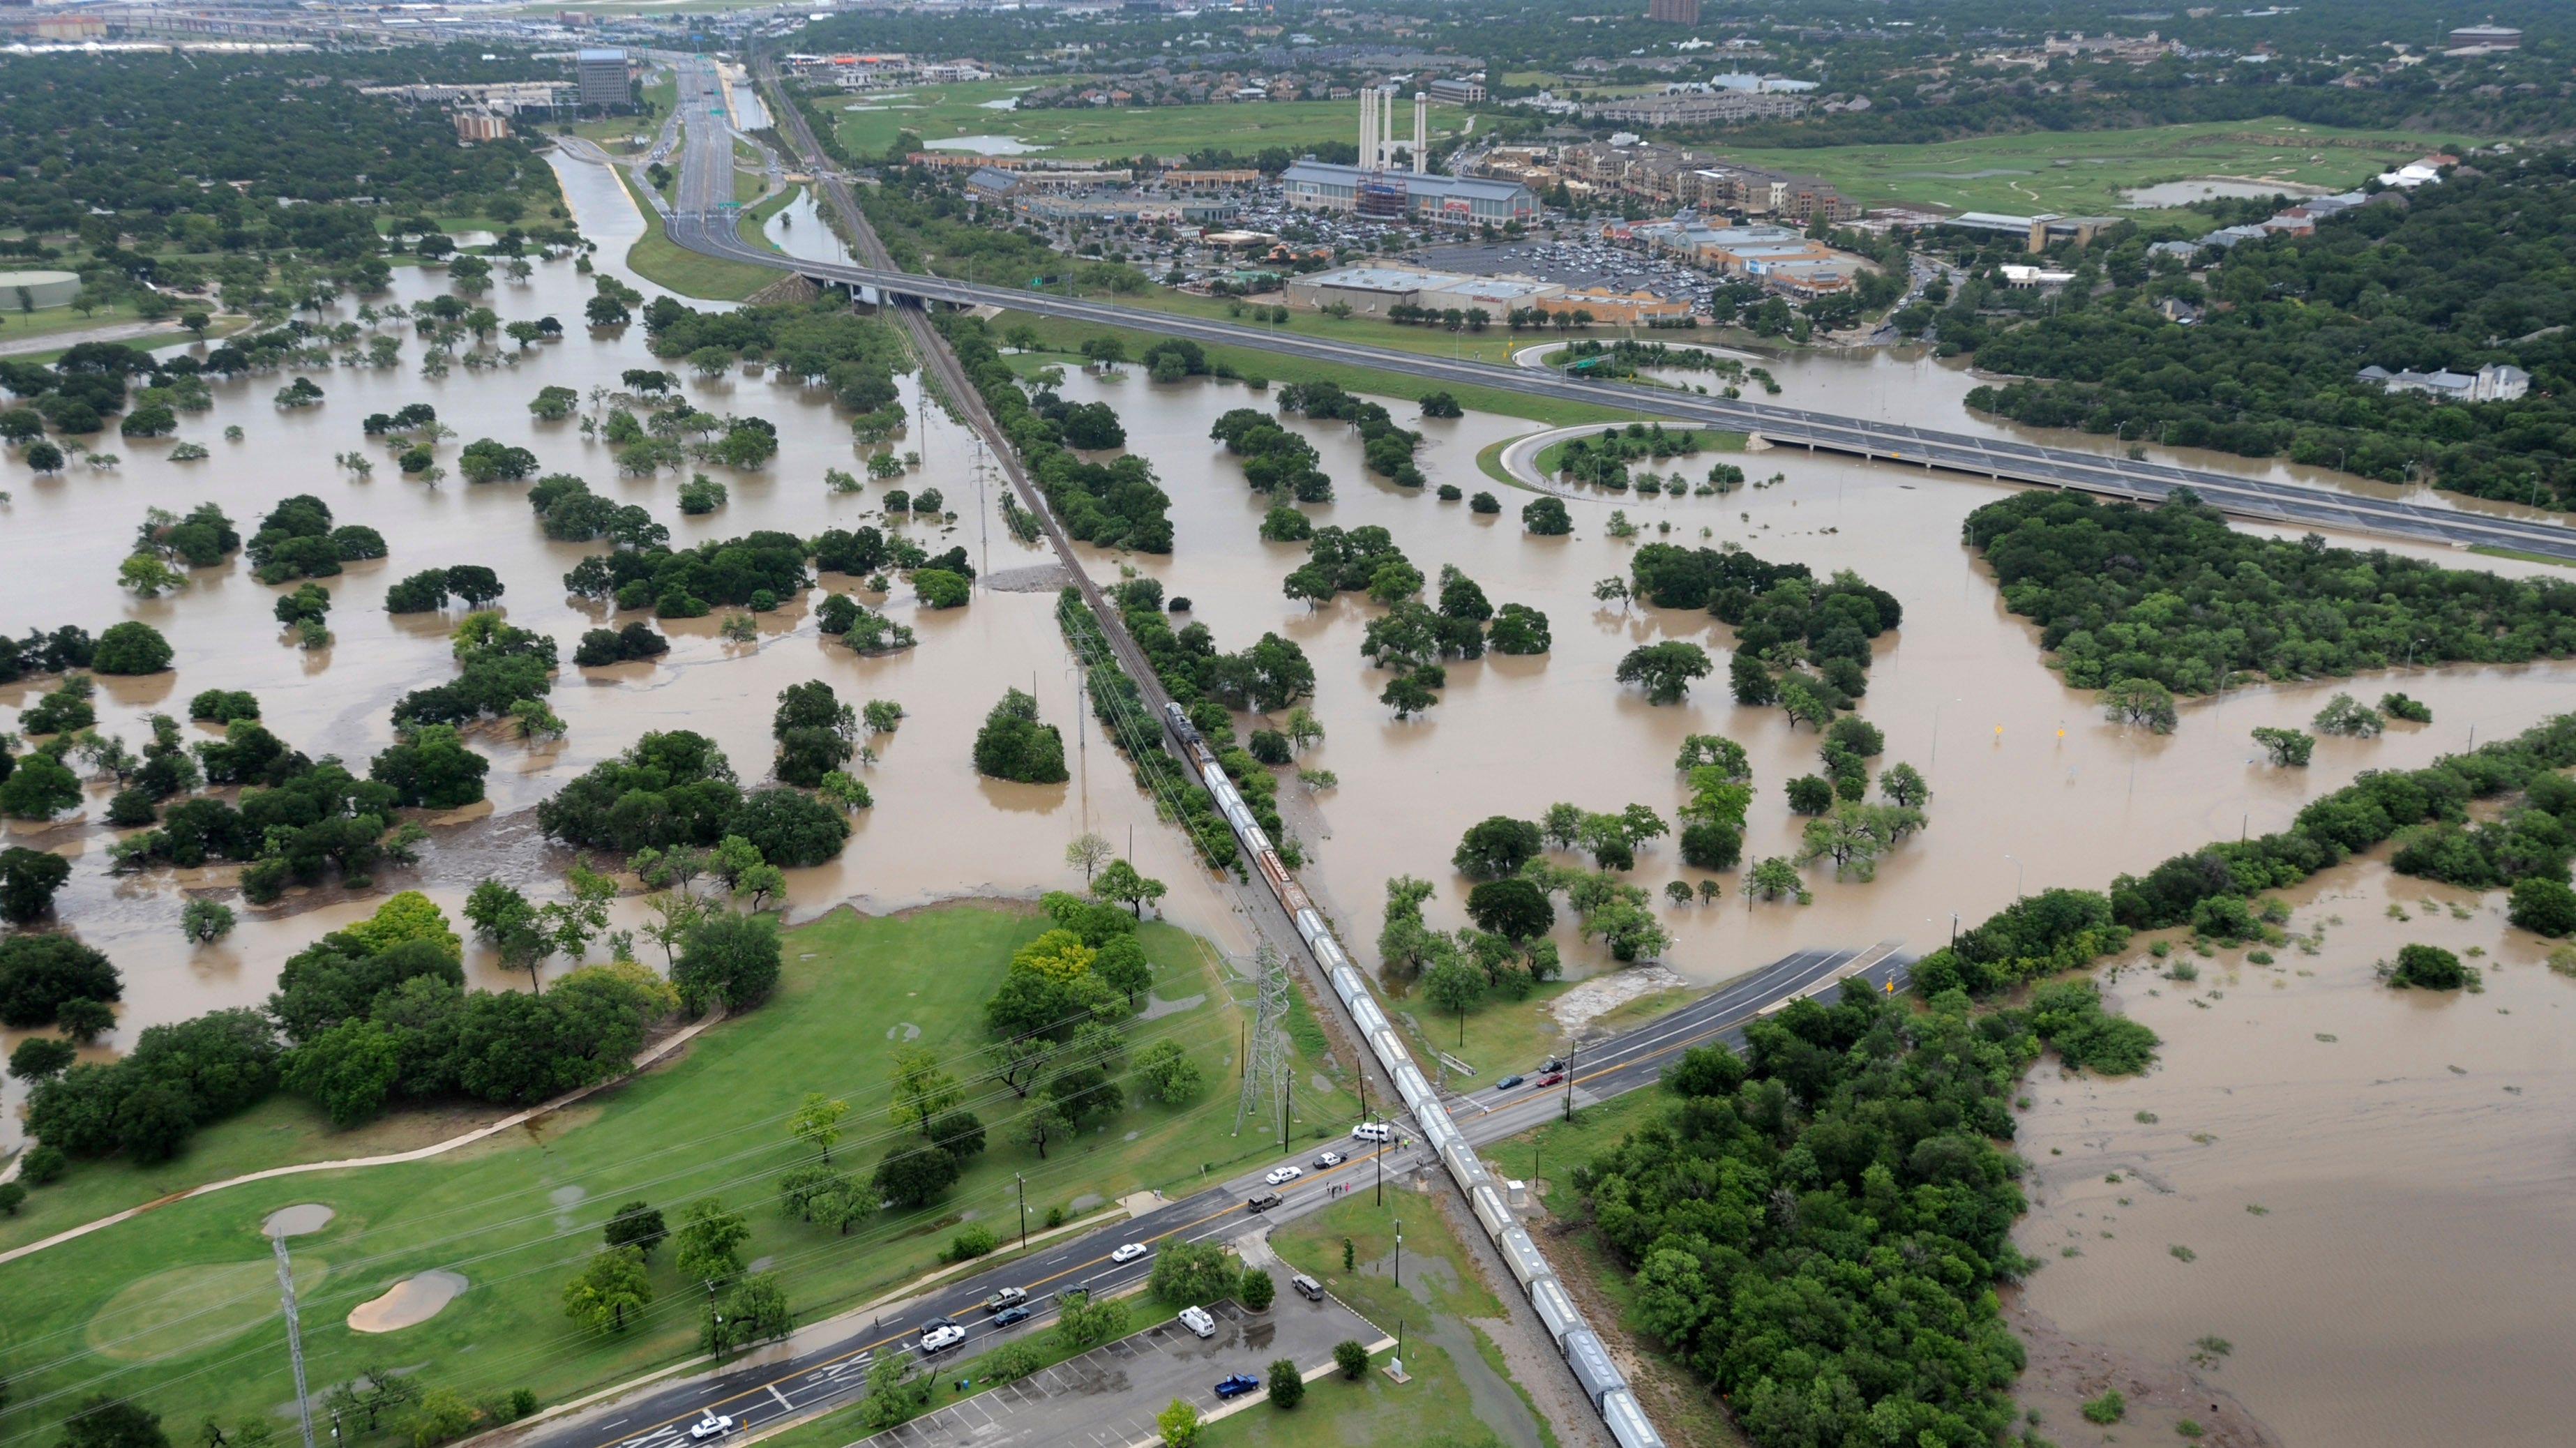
1601	1379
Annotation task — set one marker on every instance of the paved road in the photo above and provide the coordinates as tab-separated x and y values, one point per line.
836	1372
1108	1397
699	224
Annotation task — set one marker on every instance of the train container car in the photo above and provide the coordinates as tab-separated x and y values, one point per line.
1592	1366
1556	1310
1629	1427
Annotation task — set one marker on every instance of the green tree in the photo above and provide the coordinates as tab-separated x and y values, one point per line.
817	1122
1904	785
637	1225
2142	702
1013	744
1257	1290
28	880
2543	906
1122	883
105	1422
608	1287
708	1245
2286	746
755	1310
1774	879
1665	669
1193	1273
2345	715
1455	985
1516	908
922	1087
1352	1357
1178	1424
1167	1072
729	960
1287	1385
1496	847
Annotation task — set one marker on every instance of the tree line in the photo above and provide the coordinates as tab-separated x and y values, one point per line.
2443	277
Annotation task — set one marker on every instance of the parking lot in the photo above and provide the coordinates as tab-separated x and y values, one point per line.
1108	1397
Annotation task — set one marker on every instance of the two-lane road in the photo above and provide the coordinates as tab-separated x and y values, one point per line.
701	224
759	1394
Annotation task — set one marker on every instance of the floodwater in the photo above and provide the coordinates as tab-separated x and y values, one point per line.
2383	1198
408	1303
2374	1184
2210	188
985	145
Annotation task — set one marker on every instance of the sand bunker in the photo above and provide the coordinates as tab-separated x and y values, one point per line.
412	1300
297	1220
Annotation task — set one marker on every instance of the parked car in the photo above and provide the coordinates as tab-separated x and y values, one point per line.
713	1425
1282	1176
941	1339
1262	1202
1237	1385
1011	1315
1328	1160
1307	1287
1130	1252
1196	1319
1373	1131
1508	1082
1007	1297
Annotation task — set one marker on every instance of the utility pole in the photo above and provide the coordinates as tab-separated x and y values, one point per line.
1570	1049
1024	1209
294	1333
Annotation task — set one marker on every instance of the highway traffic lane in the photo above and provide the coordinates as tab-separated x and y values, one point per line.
1108	1397
764	1392
2009	459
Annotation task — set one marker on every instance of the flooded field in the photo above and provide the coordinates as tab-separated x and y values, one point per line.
2373	1186
2411	1170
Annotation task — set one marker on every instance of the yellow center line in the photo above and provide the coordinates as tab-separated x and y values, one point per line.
758	1389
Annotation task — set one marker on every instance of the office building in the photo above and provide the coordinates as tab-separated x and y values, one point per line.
602	74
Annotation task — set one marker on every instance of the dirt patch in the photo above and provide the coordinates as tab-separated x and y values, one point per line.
1606	992
2065	1374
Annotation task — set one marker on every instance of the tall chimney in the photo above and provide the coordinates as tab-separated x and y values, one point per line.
1421	132
1368	126
1386	130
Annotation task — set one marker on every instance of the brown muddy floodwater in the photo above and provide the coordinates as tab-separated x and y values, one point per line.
2375	1185
2404	1277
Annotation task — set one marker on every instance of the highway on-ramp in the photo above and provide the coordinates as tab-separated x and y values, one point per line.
764	1392
702	223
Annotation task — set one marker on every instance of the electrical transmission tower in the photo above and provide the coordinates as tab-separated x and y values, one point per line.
1265	1073
294	1334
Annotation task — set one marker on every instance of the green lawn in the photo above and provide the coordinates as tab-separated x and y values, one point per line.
1440	1291
2083	173
1066	337
658	258
940	112
514	1214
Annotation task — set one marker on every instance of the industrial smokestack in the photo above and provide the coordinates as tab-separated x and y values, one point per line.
1421	132
1368	128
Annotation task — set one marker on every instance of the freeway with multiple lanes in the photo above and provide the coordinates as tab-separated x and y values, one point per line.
763	1393
701	224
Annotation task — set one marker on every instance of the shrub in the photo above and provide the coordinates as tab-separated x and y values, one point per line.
1351	1357
2108	1408
2543	906
131	648
2428	967
1287	1385
976	1241
1258	1290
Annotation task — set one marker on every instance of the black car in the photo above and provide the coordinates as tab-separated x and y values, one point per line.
1237	1385
1009	1315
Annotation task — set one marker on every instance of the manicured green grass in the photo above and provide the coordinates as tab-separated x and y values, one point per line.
516	1213
940	112
2083	173
658	258
1375	1412
1437	1274
1066	337
2494	552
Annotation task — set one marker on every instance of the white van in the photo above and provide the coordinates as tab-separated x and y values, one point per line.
1196	1319
1379	1131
